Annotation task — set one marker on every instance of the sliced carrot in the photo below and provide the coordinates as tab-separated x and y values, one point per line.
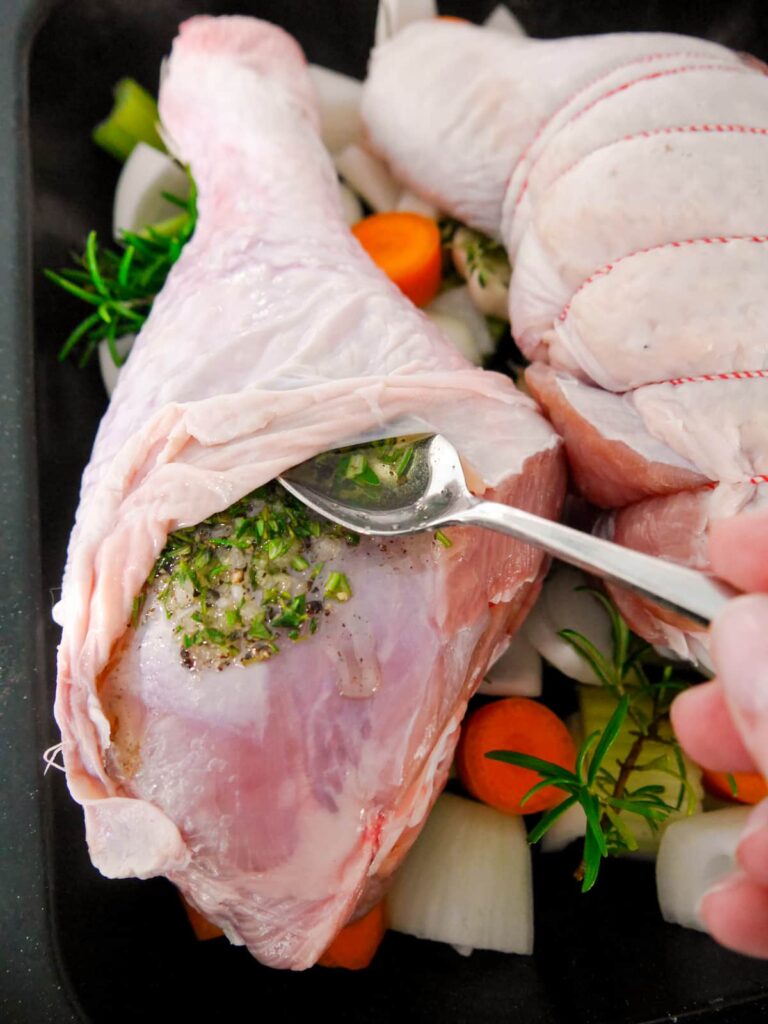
356	944
518	724
751	787
407	248
452	17
201	926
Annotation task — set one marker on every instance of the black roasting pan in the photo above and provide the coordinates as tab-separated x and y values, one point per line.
74	946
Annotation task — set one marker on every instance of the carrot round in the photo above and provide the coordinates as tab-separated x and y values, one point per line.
751	787
516	724
407	248
356	944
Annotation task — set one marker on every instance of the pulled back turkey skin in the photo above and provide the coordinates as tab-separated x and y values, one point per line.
627	175
279	794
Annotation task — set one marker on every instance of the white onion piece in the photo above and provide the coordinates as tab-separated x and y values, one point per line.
562	606
146	174
338	102
409	202
369	177
501	19
110	372
458	303
350	204
517	673
459	334
571	825
467	880
392	15
694	854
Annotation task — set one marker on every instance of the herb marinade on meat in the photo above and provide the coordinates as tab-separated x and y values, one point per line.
244	580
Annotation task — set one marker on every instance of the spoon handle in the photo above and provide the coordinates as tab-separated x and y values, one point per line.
694	594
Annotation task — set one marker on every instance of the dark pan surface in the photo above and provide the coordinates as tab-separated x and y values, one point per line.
74	946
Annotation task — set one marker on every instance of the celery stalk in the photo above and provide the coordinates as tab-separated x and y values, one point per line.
133	119
169	228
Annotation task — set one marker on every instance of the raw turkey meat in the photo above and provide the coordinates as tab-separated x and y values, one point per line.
627	176
279	795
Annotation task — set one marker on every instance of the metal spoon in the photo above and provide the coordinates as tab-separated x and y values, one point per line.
433	493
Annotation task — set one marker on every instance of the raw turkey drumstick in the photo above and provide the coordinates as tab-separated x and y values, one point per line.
627	175
268	720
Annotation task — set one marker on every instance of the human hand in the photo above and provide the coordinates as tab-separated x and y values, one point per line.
723	725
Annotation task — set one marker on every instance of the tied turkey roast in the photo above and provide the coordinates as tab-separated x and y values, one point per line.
627	175
279	795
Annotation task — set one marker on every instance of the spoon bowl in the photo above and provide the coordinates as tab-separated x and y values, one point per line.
407	485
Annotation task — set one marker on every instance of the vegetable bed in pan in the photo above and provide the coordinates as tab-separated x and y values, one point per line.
440	978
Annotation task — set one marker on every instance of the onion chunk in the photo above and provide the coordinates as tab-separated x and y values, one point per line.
694	854
467	880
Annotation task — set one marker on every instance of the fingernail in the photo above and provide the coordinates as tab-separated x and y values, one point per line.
729	882
740	650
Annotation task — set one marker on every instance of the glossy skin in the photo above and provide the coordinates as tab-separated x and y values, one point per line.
279	796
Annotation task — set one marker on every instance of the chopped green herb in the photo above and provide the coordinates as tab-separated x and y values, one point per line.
404	463
138	604
443	539
258	631
337	586
236	583
382	465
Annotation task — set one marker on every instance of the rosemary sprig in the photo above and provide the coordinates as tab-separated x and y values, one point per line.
120	285
611	789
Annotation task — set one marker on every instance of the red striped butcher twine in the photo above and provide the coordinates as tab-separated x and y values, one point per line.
734	129
730	375
705	378
753	480
647	59
741	68
603	271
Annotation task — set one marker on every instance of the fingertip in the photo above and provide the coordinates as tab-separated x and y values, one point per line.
752	851
735	913
687	705
740	653
703	725
738	549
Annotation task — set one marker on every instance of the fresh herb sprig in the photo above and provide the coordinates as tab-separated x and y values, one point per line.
643	689
120	285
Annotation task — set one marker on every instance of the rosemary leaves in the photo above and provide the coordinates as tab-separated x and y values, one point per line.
630	775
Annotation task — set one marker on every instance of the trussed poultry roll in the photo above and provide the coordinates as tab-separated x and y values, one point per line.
627	176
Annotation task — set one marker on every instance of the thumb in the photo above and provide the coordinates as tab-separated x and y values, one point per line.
740	653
